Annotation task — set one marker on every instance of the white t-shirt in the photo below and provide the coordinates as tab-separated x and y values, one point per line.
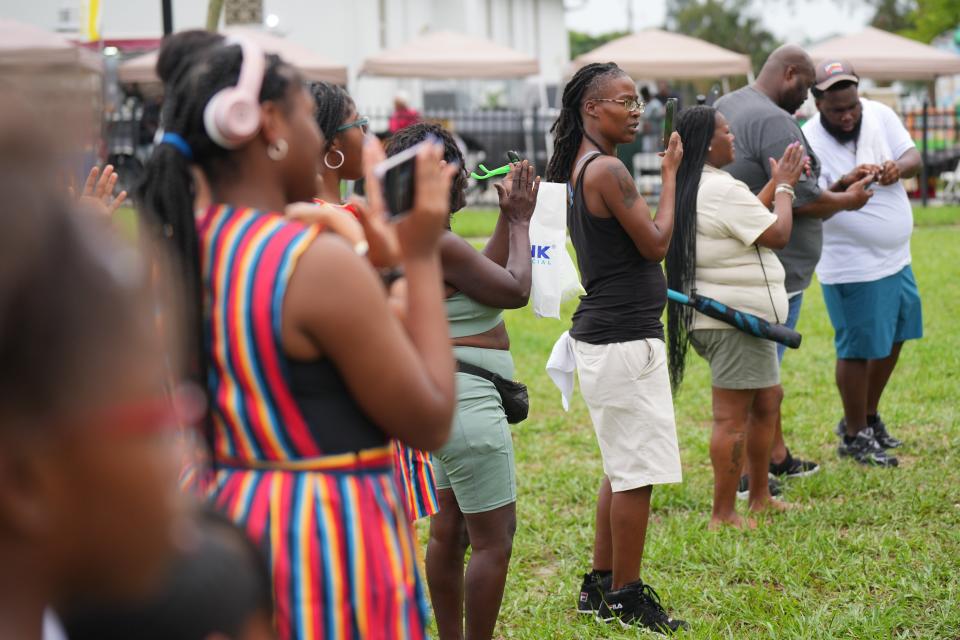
729	221
874	242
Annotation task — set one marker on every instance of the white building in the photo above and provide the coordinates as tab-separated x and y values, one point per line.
349	31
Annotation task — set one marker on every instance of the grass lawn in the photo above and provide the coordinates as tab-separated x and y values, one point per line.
477	223
871	553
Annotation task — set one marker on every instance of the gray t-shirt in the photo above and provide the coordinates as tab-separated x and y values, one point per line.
763	130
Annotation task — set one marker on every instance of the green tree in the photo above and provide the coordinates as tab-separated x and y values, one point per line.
581	43
921	20
726	23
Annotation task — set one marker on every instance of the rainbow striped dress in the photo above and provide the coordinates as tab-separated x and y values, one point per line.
418	485
332	526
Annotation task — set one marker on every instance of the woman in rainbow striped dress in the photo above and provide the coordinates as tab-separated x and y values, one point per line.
309	375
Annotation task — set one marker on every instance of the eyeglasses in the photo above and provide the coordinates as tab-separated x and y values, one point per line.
630	104
363	123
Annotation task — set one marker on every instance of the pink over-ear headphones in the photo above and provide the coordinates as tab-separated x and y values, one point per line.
232	117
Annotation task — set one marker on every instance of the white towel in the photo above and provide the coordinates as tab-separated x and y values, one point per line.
560	367
872	146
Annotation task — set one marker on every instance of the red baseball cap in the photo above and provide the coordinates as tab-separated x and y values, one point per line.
830	72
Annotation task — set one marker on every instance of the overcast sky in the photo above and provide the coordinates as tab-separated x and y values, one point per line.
808	20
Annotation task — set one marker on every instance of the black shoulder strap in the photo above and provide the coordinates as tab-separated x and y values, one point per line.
582	167
480	372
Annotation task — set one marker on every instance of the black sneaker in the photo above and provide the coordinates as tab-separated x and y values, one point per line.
883	437
591	592
866	450
793	467
638	605
743	489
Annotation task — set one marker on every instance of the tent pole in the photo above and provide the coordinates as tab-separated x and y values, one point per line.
750	77
725	83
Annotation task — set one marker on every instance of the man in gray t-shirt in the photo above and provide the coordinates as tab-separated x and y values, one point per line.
761	120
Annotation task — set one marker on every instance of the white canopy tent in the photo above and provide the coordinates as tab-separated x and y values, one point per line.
662	55
882	55
447	54
312	65
60	82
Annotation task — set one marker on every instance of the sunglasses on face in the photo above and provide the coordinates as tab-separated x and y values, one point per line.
363	123
630	104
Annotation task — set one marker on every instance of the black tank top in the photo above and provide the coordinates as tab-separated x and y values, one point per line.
626	293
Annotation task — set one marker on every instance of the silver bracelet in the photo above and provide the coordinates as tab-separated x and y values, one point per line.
785	188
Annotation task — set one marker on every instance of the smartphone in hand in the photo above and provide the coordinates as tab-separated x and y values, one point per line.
670	112
397	176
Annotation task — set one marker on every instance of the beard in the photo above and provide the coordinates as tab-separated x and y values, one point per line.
838	132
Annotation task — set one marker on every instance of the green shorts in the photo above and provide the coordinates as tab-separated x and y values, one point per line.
477	460
737	360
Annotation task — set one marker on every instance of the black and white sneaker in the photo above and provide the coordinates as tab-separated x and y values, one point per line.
591	592
866	450
638	605
883	437
792	467
743	489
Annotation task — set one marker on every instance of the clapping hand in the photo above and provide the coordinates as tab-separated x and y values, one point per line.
97	196
518	192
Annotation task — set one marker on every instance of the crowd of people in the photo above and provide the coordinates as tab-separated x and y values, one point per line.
226	430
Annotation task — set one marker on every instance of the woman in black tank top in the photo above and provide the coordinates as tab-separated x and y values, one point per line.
617	336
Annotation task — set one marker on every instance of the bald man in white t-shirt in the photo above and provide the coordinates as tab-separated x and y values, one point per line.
864	269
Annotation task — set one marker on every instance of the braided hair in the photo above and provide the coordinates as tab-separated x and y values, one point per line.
195	69
696	127
332	107
415	133
568	129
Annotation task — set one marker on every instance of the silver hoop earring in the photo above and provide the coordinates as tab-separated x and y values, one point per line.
278	150
334	166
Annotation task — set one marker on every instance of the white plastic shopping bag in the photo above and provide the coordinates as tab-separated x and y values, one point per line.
555	277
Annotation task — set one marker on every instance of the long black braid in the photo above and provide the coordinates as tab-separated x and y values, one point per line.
568	130
332	107
166	193
696	127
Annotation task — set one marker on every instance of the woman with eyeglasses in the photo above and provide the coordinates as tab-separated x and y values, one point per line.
344	131
309	374
617	338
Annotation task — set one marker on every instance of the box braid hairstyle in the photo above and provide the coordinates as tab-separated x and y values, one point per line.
194	68
695	126
415	133
568	130
333	104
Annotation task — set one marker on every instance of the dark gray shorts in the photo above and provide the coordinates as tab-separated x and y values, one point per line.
737	360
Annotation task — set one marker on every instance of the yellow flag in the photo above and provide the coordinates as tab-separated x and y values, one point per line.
90	20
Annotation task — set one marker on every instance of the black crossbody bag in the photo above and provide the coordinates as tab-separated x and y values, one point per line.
513	394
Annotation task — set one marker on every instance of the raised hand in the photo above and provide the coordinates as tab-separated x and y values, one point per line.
97	195
790	166
518	192
672	156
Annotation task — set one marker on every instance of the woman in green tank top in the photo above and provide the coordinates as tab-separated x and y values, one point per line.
476	481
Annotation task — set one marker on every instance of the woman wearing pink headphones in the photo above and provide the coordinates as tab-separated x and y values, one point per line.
308	373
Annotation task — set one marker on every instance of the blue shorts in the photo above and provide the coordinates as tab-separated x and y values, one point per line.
870	317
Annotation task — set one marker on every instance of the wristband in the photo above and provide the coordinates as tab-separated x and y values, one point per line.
785	188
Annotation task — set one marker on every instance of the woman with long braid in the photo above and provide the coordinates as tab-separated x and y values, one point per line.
308	372
343	130
617	336
722	247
